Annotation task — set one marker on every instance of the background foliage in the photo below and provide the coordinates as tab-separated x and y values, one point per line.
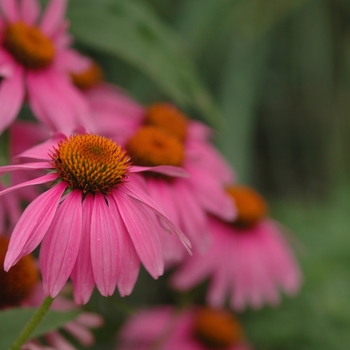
273	78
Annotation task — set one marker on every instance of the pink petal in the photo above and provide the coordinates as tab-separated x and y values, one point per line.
69	60
30	11
82	334
82	274
134	191
29	166
162	169
43	150
53	16
130	262
139	222
56	102
60	246
11	97
33	225
10	10
106	246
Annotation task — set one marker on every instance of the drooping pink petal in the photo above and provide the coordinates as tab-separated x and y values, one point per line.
33	225
42	151
53	16
11	97
133	190
10	10
161	169
130	262
71	61
30	11
81	333
82	274
60	246
57	341
56	102
143	232
106	246
29	166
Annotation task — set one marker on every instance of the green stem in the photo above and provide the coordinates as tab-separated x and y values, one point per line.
32	323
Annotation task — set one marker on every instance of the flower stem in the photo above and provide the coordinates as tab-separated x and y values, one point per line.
32	323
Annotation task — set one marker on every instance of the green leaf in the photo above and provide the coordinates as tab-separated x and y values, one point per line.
13	321
132	32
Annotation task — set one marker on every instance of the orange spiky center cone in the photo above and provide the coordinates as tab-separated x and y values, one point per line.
18	283
168	118
217	329
28	45
89	78
251	206
151	146
91	163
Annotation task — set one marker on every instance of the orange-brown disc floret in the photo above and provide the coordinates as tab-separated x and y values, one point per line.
28	45
168	118
91	163
250	204
150	146
217	328
19	281
88	78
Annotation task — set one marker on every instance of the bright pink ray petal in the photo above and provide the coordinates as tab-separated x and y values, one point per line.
53	16
68	60
43	150
10	10
134	191
82	274
143	232
29	166
161	169
106	246
60	246
30	11
192	217
161	192
11	97
130	262
33	225
56	102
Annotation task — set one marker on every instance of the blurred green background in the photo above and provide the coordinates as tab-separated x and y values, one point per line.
272	77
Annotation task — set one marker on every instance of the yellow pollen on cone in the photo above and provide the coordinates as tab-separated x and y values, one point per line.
28	45
168	118
150	146
217	328
250	204
88	78
16	284
91	163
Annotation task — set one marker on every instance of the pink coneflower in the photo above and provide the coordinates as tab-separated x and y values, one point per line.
249	259
195	328
187	201
35	59
21	287
96	223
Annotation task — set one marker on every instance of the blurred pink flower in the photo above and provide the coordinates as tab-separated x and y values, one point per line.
164	328
187	201
96	223
35	58
249	259
21	287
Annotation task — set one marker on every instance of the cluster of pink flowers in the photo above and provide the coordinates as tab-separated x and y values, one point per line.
111	184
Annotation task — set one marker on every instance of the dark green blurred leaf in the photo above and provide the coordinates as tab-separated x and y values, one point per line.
13	321
131	31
